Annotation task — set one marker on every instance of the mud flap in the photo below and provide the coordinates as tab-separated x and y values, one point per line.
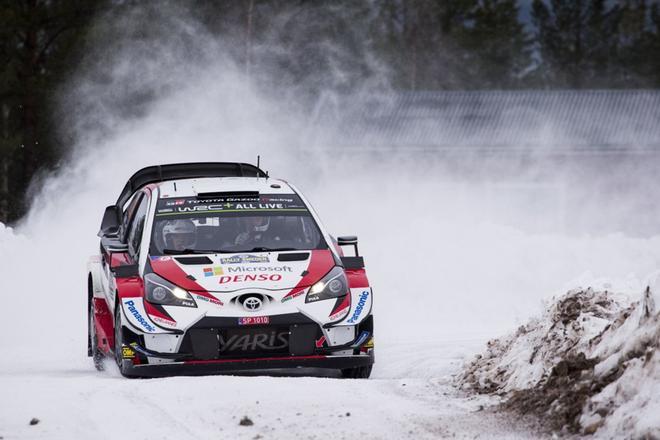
104	326
204	343
301	339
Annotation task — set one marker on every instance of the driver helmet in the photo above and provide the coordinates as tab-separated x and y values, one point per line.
179	235
256	224
262	224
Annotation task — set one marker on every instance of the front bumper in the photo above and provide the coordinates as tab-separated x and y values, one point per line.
219	345
220	366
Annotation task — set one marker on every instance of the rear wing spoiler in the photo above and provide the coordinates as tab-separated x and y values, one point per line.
161	173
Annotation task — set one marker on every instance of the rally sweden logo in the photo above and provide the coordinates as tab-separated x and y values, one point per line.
238	259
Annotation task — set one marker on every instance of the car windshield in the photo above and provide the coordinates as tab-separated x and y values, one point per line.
264	222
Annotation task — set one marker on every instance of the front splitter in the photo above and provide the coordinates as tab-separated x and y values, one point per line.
223	366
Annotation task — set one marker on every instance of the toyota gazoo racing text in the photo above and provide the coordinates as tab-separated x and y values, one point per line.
215	267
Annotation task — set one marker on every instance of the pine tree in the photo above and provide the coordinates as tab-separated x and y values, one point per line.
37	36
639	55
654	45
496	45
576	40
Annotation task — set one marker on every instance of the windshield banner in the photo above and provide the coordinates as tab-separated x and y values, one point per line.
263	203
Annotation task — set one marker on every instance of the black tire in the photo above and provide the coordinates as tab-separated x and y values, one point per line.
357	372
119	342
93	346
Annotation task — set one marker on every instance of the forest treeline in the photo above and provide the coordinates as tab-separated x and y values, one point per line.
413	44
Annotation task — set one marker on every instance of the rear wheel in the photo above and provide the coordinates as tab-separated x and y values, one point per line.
96	355
357	372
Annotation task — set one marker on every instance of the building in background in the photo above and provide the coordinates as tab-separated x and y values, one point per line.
538	146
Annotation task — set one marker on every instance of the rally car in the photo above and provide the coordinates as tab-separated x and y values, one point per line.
215	267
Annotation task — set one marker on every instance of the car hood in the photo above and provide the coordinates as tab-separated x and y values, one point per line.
231	272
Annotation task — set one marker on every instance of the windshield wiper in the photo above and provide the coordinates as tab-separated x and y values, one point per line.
225	251
265	249
191	251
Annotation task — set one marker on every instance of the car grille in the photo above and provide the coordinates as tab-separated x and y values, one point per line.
253	341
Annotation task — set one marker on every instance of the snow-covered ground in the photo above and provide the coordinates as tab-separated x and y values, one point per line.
46	376
412	394
443	285
71	400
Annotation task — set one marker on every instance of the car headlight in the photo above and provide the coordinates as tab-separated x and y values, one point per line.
333	285
160	291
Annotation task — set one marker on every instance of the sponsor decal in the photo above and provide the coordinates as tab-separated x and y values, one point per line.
138	317
241	259
250	277
259	206
127	353
288	200
215	301
361	339
320	342
294	295
178	202
340	314
369	344
259	269
254	320
164	258
200	208
358	309
162	321
222	205
212	271
272	340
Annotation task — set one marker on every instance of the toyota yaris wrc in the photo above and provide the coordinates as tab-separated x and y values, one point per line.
213	267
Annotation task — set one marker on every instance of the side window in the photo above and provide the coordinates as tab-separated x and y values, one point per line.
127	218
137	226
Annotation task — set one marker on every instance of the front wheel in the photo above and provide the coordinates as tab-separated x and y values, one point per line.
96	355
119	342
357	372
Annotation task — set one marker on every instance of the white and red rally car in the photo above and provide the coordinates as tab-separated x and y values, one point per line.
213	267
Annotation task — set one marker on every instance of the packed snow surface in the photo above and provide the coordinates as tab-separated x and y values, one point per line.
406	398
443	283
50	389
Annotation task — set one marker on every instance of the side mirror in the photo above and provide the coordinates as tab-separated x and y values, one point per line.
110	222
355	262
349	240
126	271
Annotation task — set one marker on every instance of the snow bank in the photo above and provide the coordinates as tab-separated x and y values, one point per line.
589	364
7	236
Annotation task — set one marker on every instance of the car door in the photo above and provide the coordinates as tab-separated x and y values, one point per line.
130	220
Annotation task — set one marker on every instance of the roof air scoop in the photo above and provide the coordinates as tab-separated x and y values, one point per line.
228	195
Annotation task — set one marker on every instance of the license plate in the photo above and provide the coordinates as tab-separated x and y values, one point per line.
254	320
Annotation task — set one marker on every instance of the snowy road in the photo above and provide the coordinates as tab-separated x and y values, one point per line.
409	396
